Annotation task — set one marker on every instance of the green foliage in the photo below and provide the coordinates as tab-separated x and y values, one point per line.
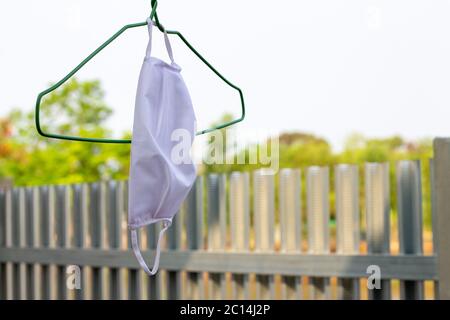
78	109
217	146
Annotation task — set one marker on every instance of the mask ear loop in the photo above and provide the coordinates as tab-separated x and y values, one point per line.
150	24
137	250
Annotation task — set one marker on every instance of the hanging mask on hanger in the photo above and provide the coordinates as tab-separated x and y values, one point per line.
160	177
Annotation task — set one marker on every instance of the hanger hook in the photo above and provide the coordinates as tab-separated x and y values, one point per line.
154	4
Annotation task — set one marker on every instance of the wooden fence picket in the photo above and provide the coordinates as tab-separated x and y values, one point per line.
347	220
216	205
291	225
2	243
409	203
317	184
21	229
195	287
174	278
133	286
122	218
63	217
264	221
240	228
114	223
9	270
48	241
81	234
378	209
434	222
36	240
15	243
441	180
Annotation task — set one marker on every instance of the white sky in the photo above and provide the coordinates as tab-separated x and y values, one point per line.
330	67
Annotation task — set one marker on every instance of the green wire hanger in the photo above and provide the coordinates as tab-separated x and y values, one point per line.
153	14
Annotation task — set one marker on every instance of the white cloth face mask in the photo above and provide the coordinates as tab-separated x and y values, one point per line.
160	175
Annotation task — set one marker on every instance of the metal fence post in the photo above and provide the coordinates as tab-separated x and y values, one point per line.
317	192
114	235
347	218
216	230
240	227
174	277
434	222
409	203
264	220
441	147
378	209
291	225
2	243
194	232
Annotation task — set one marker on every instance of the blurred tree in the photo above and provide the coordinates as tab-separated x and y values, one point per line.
218	147
78	109
5	135
301	150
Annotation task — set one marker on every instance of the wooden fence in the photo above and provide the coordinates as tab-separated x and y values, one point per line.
242	236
